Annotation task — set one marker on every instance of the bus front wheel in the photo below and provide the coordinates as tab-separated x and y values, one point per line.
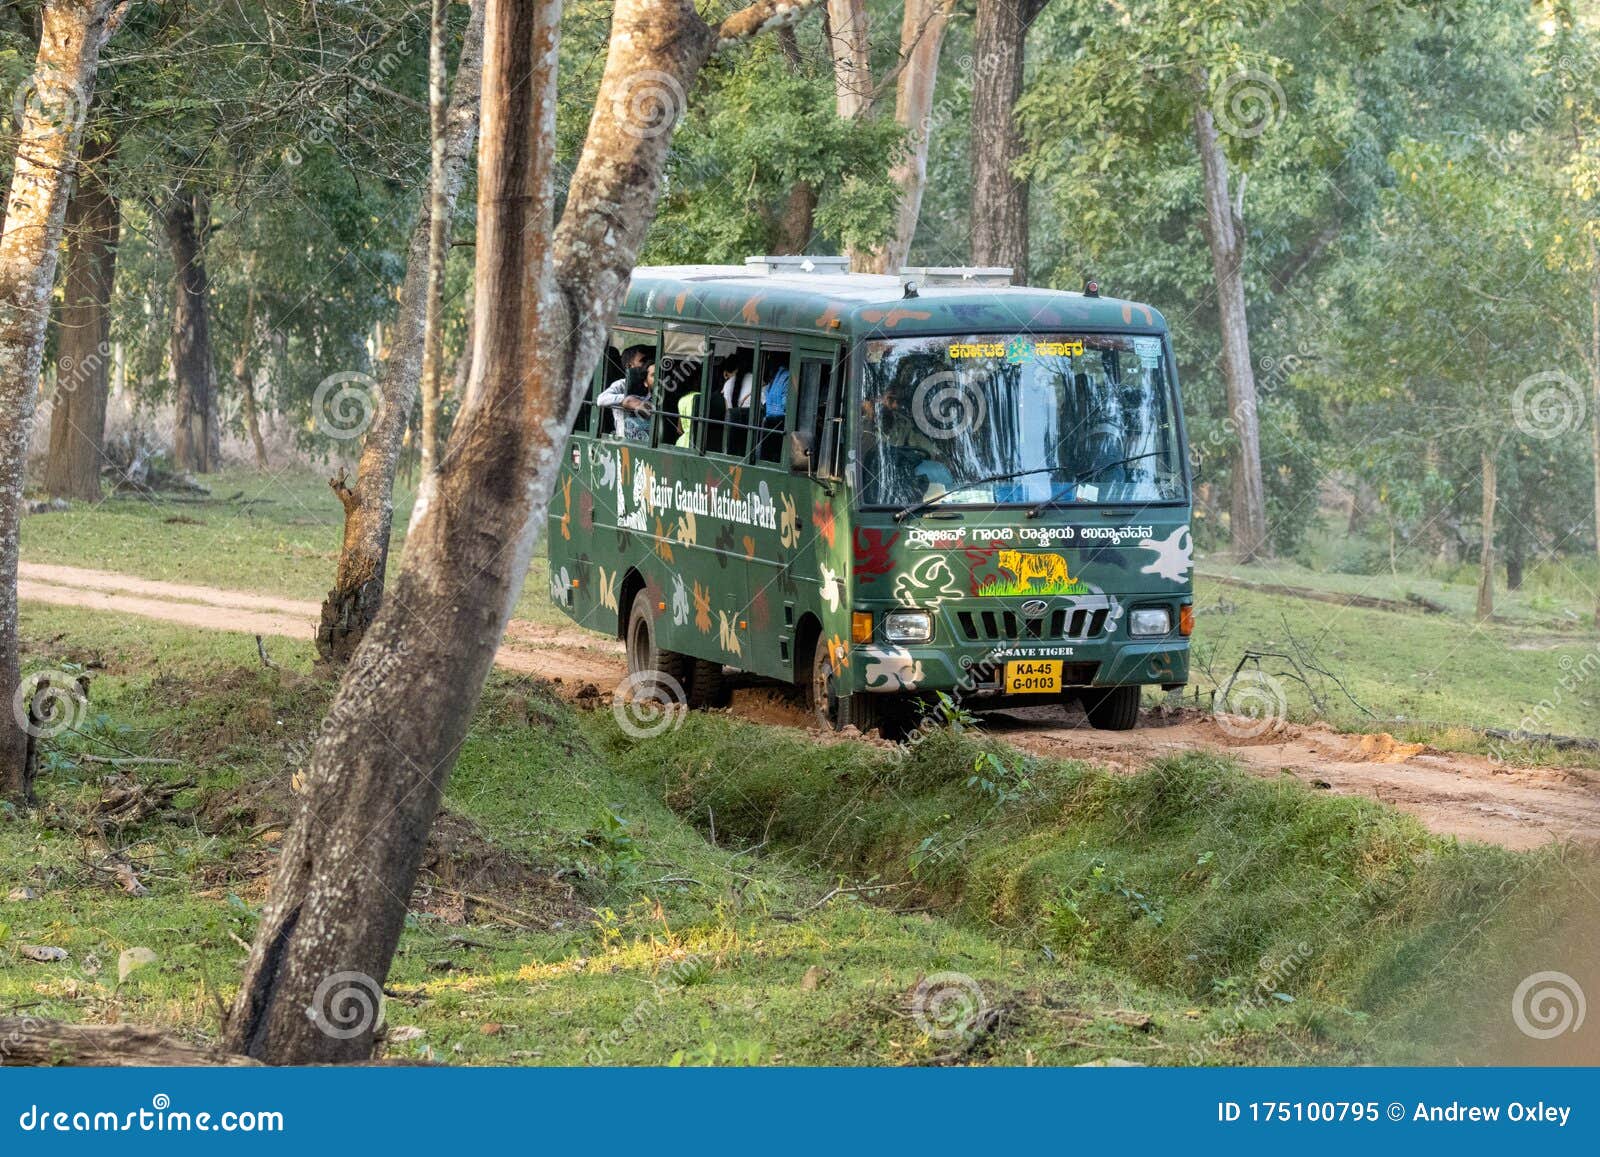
828	708
650	666
1114	709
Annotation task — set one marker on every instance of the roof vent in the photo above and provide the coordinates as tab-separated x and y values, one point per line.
796	263
972	276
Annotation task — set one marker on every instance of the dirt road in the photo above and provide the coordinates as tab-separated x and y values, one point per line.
1452	794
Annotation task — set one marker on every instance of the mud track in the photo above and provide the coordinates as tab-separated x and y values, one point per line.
1452	794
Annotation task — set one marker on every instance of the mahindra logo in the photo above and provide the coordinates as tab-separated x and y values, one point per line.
1034	608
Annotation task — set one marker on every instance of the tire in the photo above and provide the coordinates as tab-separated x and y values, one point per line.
708	684
668	673
828	709
1114	709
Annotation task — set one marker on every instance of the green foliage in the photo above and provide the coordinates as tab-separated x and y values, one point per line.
758	125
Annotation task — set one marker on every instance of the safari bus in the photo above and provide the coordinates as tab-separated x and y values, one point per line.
881	487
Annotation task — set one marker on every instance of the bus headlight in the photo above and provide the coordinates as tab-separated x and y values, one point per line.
908	626
1150	621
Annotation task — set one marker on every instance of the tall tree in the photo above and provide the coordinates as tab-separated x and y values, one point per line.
545	297
83	348
197	435
915	75
72	32
1141	80
357	593
999	191
1225	235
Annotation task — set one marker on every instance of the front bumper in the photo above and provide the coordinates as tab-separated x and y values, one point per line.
975	669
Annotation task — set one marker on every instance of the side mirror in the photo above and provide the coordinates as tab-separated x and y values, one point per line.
801	447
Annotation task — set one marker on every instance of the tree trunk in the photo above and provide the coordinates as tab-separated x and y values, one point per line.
243	377
49	130
357	591
440	205
798	219
544	299
922	29
197	439
852	57
1224	231
83	357
1486	557
999	196
1594	404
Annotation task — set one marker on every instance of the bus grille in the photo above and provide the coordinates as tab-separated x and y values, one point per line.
1061	623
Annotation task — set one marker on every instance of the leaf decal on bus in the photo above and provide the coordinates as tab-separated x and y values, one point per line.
822	516
680	601
702	609
687	529
789	534
831	588
566	514
727	635
608	589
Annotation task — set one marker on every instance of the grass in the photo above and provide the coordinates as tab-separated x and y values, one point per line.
583	912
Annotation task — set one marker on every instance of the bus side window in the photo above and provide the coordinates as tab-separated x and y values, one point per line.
730	391
628	356
770	413
811	408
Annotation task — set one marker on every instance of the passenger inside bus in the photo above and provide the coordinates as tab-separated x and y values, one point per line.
737	379
680	378
713	423
628	398
774	403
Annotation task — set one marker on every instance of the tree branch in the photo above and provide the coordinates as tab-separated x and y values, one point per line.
762	16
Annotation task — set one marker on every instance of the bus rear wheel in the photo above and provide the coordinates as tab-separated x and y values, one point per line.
651	668
1113	709
828	708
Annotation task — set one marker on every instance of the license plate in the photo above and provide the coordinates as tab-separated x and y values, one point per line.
1033	676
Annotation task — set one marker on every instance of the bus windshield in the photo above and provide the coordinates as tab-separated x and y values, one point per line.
997	420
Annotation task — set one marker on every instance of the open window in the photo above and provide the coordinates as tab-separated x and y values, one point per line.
680	377
730	397
811	442
770	413
624	384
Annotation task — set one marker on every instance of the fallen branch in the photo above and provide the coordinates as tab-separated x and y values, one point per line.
1411	603
31	1041
125	760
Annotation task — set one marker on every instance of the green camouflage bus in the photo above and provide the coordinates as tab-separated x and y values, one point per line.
880	487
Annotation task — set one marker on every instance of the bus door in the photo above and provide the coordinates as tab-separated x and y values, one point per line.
807	573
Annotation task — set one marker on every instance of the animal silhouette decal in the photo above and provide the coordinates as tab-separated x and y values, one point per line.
1024	573
1174	555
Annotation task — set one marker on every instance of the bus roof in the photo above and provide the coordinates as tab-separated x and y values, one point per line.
858	305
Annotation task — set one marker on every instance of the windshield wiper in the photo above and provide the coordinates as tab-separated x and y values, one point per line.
1085	475
930	503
